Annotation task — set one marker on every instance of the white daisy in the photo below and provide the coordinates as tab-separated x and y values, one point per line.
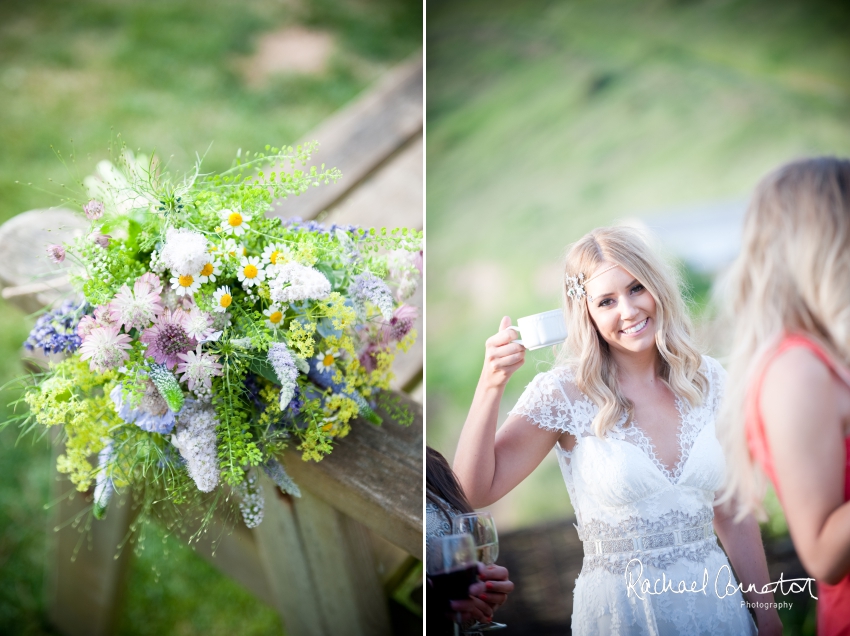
210	270
276	254
275	316
325	361
185	284
234	222
222	298
250	271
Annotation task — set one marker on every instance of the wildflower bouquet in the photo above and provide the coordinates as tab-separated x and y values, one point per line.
207	337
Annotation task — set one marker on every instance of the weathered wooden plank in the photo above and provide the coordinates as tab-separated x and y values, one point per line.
339	553
29	279
392	196
362	136
84	591
284	566
374	475
237	555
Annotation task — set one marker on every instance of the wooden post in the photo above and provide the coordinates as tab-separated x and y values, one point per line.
86	573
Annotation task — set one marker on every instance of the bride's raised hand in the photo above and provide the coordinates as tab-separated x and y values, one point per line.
502	356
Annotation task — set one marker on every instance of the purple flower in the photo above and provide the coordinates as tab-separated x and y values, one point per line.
101	239
56	253
400	324
93	210
167	337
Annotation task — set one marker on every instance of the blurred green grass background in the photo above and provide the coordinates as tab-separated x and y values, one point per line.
169	76
547	119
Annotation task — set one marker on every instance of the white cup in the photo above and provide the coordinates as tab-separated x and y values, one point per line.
541	330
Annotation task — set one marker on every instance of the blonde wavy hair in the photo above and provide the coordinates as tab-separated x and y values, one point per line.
792	275
587	353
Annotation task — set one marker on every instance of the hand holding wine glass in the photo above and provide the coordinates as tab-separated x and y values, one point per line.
483	530
452	567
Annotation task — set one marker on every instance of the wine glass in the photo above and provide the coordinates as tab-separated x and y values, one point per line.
452	567
483	530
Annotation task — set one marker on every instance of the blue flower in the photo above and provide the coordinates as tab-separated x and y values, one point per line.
150	415
56	331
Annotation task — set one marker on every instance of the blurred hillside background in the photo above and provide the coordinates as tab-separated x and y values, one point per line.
547	119
172	76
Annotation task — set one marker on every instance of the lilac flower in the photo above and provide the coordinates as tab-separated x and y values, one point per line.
56	253
195	439
105	348
152	414
57	330
93	210
167	337
198	368
286	371
367	287
137	308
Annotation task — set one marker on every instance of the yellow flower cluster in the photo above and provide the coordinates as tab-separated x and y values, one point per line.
339	313
299	338
78	399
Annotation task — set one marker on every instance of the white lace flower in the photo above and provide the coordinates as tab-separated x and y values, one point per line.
185	284
223	299
274	316
250	271
293	282
210	270
184	252
234	222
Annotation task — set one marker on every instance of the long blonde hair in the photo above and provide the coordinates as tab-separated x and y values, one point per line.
587	353
792	274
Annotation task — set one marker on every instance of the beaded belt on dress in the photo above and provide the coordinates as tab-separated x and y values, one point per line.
665	539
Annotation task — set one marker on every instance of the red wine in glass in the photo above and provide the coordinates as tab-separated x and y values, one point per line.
454	585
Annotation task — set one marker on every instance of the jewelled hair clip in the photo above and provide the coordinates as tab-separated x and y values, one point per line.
575	286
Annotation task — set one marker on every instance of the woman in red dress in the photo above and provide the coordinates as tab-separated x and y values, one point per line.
787	415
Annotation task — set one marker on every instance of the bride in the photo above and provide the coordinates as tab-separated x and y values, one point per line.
630	410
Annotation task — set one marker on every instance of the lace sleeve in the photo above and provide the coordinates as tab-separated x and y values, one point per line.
716	375
552	402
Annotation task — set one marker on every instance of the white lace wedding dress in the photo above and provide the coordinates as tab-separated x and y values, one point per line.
639	521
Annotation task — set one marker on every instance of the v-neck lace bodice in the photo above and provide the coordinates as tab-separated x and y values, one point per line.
630	505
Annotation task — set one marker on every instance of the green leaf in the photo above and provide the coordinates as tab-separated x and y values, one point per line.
265	369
